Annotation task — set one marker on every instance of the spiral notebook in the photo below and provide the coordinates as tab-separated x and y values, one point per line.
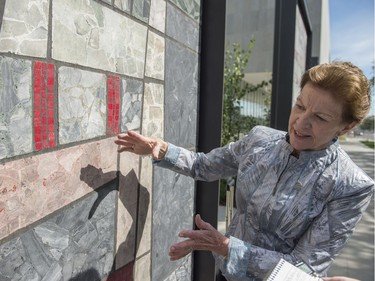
285	271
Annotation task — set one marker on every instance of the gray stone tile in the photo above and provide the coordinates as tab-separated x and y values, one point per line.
15	107
141	9
182	28
181	95
183	271
173	210
191	7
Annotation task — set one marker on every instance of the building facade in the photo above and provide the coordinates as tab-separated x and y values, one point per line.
247	19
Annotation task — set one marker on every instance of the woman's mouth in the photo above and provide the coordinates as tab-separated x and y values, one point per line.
299	134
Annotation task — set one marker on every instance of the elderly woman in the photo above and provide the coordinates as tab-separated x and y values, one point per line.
299	196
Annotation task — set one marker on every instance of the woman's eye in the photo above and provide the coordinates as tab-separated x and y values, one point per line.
320	118
300	107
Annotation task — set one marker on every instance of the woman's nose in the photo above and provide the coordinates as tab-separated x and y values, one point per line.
304	121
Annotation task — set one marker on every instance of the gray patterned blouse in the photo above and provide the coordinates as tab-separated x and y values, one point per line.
300	209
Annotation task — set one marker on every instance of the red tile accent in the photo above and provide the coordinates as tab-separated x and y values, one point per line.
44	99
113	104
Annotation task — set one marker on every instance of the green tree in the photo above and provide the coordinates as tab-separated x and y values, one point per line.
235	88
235	63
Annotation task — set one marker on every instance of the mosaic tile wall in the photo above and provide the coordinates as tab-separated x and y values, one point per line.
74	74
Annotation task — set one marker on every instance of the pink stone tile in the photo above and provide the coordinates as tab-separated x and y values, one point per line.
34	187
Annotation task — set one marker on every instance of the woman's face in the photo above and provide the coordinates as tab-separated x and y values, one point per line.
315	119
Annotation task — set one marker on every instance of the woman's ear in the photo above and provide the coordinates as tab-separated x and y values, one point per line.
347	128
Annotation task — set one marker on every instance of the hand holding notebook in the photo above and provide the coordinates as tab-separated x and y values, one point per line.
285	271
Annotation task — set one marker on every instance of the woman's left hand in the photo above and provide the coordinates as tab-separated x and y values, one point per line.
206	237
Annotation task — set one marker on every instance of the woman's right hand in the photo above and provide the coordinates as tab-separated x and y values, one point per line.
141	145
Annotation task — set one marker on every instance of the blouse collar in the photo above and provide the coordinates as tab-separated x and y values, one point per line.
331	148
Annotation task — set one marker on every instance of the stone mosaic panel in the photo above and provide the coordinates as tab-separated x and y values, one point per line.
173	210
82	105
32	188
155	56
182	28
181	95
191	7
141	9
90	34
153	110
15	107
131	104
76	244
24	29
157	14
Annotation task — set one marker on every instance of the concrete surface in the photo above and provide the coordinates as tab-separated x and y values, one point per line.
357	258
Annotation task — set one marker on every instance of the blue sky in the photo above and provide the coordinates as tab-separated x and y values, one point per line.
352	32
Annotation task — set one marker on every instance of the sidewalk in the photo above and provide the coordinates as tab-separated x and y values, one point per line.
357	258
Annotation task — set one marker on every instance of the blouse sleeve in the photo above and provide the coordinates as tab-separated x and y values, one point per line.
318	247
218	163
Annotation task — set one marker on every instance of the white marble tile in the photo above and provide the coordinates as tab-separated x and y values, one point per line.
142	268
153	110
90	34
24	29
82	105
124	5
155	56
157	14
